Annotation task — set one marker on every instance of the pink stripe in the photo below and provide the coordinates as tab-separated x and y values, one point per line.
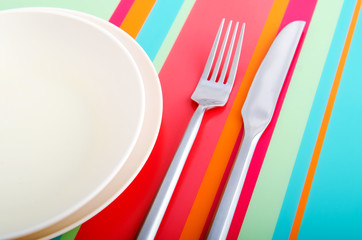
296	10
179	77
121	11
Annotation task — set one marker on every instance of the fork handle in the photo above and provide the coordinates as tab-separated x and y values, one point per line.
159	206
230	198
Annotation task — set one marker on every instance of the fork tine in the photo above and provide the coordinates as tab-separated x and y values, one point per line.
211	57
219	59
227	60
235	63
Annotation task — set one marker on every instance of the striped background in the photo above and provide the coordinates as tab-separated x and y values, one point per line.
304	179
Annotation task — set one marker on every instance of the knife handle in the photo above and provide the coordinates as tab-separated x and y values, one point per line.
230	198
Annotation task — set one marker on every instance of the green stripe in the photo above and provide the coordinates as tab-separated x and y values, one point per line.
267	199
71	234
305	152
100	8
173	33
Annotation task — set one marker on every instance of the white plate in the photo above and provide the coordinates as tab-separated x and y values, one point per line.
143	147
71	106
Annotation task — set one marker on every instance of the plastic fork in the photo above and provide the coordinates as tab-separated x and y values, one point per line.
209	93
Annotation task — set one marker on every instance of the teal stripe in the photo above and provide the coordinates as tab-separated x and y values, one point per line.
334	208
265	204
171	36
296	183
157	25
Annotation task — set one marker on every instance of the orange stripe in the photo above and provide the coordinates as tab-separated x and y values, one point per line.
136	16
322	132
218	163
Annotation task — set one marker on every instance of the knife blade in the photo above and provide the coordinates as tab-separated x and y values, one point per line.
257	112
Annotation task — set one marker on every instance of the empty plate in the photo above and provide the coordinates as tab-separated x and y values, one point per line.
143	147
71	110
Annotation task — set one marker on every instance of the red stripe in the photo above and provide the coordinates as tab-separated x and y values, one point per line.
179	77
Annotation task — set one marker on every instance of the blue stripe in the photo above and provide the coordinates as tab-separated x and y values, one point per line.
157	25
299	173
334	208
